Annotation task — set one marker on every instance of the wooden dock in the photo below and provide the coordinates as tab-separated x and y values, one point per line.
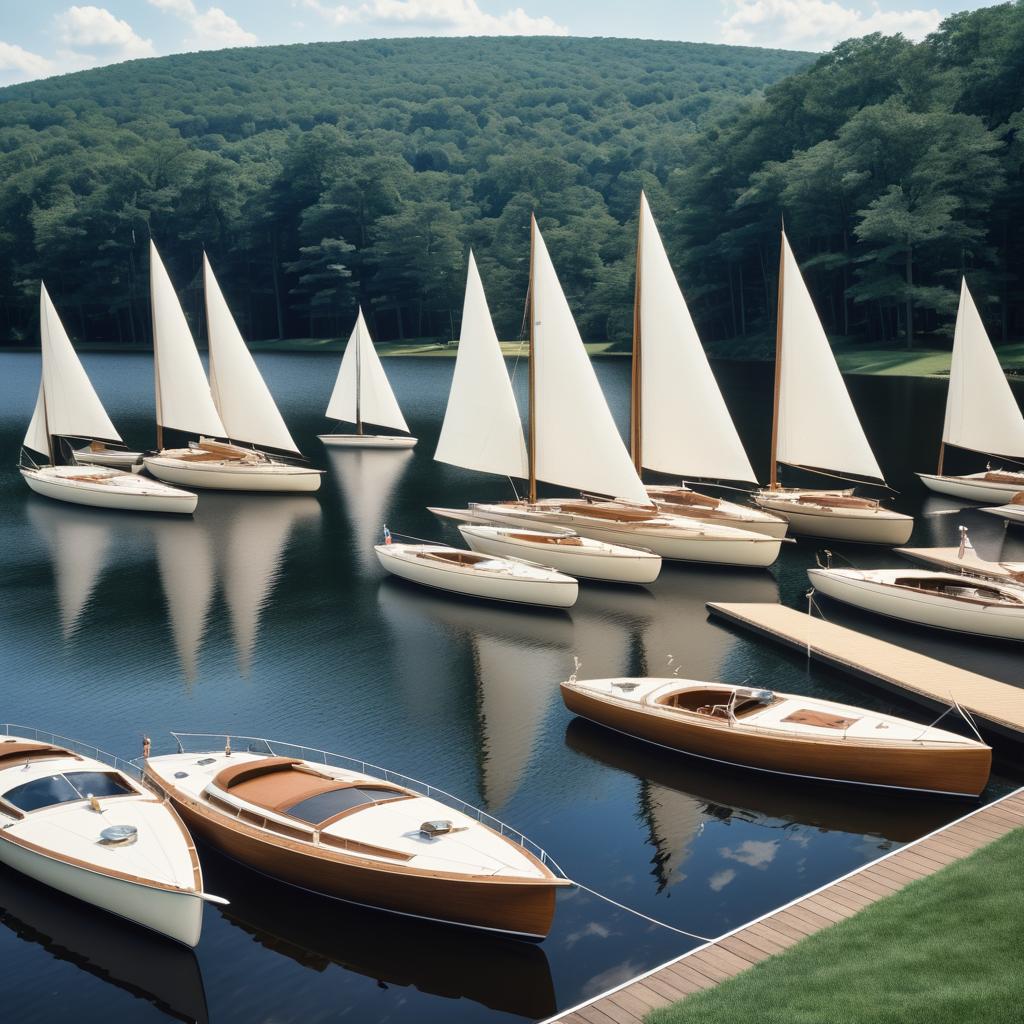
998	706
734	952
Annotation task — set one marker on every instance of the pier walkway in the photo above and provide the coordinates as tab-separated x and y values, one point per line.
734	952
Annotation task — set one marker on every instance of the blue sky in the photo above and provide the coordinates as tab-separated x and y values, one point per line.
47	37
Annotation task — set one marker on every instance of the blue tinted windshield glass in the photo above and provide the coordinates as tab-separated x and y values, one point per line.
98	783
326	805
30	796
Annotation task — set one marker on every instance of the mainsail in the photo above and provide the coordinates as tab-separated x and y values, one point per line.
817	425
240	394
482	429
67	404
981	412
183	398
362	393
684	425
576	442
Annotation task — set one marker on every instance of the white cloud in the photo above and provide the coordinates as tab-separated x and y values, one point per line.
21	65
721	879
817	24
435	18
754	852
212	29
96	31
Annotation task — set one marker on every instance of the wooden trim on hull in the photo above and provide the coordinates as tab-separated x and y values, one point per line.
518	907
956	772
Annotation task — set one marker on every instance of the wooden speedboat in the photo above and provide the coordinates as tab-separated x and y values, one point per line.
681	501
363	394
565	551
345	829
784	733
108	488
839	516
476	575
942	600
91	831
673	537
99	454
1012	512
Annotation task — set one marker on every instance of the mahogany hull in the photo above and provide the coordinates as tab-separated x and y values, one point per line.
518	907
962	771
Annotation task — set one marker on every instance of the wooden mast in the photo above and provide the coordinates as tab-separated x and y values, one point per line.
773	481
942	457
635	421
359	373
532	443
156	361
42	388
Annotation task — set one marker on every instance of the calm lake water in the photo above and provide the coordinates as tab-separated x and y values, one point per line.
269	616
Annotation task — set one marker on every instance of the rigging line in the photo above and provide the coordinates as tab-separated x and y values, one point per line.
838	476
421	540
630	910
756	489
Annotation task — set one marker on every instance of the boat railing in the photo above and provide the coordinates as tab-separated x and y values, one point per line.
199	743
76	746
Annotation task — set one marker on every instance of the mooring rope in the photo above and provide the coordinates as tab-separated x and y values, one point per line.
646	917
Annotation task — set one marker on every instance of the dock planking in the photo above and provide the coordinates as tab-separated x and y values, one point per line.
998	706
741	948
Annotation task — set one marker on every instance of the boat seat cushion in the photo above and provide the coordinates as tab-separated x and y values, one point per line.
15	752
228	778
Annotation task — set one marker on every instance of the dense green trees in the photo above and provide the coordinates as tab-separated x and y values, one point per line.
322	176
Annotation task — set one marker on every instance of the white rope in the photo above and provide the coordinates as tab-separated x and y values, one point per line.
630	910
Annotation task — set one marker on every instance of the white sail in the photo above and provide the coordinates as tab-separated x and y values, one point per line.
818	426
577	443
68	405
243	400
685	426
362	393
183	398
981	412
482	429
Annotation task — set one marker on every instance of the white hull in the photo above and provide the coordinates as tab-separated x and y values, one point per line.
178	915
672	538
368	440
112	458
861	526
726	513
555	592
971	488
590	560
1010	513
145	497
923	609
228	475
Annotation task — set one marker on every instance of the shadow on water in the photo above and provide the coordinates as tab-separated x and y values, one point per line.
117	952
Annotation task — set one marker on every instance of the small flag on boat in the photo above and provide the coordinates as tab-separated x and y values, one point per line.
965	543
387	535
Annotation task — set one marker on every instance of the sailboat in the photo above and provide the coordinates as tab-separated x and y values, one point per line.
679	423
68	407
362	394
573	440
981	413
234	404
815	427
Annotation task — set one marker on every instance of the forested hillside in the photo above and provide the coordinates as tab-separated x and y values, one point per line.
322	175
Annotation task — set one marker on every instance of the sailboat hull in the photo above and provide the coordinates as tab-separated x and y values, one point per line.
682	501
974	487
367	441
874	525
112	458
230	475
1009	513
106	488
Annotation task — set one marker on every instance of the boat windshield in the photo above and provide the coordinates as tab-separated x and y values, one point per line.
323	806
65	788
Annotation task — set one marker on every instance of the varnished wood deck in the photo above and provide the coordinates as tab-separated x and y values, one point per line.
999	706
734	952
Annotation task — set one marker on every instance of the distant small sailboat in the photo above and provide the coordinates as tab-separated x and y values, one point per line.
679	423
573	439
981	413
68	407
815	427
362	394
235	403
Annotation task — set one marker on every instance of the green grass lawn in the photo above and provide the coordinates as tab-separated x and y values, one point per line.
947	949
915	362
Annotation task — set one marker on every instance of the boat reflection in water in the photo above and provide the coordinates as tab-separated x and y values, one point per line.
236	542
501	973
138	961
366	481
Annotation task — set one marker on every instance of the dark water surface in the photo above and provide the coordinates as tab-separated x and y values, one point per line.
269	616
